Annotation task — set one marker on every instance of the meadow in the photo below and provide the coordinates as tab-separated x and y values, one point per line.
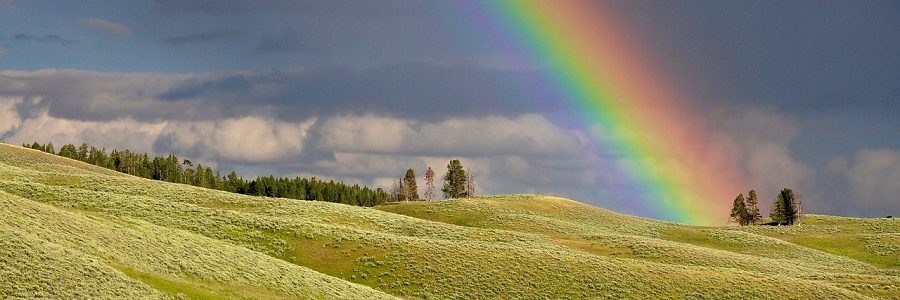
73	230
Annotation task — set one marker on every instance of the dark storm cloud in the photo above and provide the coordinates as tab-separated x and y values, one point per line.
415	90
205	37
287	41
48	38
798	55
418	90
377	8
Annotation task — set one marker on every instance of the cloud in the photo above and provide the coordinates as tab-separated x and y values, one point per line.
249	139
106	26
369	9
288	41
122	133
413	89
9	116
471	136
85	95
48	38
280	147
760	139
368	149
419	91
873	176
6	5
205	37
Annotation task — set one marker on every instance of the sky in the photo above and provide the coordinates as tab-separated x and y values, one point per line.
807	93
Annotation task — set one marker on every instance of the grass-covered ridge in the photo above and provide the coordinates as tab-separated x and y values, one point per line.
72	230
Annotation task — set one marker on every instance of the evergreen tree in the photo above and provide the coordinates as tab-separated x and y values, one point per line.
777	211
753	208
69	151
429	184
739	210
786	207
789	206
169	169
49	148
412	192
83	152
37	146
454	180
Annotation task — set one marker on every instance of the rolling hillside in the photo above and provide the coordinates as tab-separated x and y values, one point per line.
72	230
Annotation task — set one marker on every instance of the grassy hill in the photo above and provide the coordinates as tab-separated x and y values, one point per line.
72	230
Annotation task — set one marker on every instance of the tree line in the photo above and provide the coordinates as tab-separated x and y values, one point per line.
458	183
785	209
170	168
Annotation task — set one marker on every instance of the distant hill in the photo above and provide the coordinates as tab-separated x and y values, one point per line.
74	230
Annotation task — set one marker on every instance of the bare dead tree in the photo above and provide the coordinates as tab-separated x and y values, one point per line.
395	190
429	184
470	184
404	190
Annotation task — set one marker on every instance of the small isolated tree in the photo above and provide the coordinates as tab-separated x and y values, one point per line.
454	180
409	183
784	209
739	210
753	208
429	184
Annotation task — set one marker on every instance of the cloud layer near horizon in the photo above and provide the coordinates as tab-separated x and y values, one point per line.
290	123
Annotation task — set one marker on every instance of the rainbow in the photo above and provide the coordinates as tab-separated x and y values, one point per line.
680	172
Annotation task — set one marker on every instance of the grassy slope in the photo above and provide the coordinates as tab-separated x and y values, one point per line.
69	229
862	255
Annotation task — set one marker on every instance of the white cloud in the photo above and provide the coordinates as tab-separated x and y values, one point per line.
106	26
248	139
759	140
874	177
9	117
121	133
526	134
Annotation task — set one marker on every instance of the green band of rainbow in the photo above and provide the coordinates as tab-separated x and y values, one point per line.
683	174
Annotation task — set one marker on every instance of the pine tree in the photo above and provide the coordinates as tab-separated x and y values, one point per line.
753	208
790	206
429	184
784	209
777	211
69	151
83	152
454	180
739	210
412	192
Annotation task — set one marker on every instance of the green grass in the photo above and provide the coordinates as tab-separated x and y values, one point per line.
71	230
